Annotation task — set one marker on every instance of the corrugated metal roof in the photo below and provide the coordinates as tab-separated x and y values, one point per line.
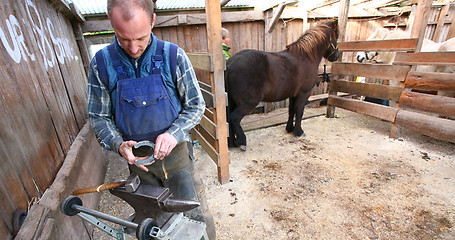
88	7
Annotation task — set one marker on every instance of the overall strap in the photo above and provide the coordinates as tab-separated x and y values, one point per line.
173	61
117	62
157	59
102	71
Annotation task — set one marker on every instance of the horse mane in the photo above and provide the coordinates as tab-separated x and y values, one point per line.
314	40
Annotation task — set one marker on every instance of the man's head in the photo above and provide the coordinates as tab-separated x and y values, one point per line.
132	21
225	36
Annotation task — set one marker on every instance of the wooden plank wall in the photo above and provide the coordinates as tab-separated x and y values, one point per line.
43	101
440	17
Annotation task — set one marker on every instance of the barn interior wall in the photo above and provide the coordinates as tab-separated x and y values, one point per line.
252	35
43	101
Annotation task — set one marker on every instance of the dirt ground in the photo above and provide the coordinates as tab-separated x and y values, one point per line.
345	180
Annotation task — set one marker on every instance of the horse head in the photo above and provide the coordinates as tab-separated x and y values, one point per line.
332	54
317	42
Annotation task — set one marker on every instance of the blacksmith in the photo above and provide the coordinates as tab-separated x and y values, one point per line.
142	88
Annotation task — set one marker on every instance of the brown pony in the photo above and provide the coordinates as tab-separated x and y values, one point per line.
253	76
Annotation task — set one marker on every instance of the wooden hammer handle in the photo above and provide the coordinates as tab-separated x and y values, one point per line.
99	188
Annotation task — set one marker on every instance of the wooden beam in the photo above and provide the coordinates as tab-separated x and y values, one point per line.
224	2
209	98
209	114
425	58
277	14
368	89
82	46
67	9
381	71
205	86
208	125
342	23
431	81
371	109
343	19
379	45
76	13
213	14
326	3
420	21
276	17
209	138
201	61
207	147
442	17
430	103
100	25
451	33
439	128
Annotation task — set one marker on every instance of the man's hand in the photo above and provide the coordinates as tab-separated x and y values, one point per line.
126	150
164	145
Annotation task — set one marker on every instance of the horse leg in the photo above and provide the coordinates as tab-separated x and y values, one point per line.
237	116
290	124
231	137
300	102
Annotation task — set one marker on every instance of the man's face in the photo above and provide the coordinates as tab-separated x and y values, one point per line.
227	39
134	34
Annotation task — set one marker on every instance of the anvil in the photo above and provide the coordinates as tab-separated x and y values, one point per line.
154	202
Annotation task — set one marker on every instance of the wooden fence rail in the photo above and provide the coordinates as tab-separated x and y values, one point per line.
417	111
378	71
432	107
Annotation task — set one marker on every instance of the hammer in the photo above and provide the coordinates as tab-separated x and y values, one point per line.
130	185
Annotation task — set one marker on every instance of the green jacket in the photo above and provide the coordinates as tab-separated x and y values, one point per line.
226	53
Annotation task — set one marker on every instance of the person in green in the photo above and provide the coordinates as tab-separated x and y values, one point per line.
226	39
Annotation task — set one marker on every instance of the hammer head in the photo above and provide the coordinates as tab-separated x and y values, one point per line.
132	183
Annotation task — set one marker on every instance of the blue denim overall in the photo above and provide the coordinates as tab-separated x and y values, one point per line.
144	106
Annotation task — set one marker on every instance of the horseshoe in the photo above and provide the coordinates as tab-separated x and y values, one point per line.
150	159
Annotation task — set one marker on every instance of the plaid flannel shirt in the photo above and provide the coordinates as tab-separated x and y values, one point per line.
100	104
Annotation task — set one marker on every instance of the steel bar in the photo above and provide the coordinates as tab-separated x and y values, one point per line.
106	217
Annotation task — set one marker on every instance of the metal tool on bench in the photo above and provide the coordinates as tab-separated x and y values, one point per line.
158	214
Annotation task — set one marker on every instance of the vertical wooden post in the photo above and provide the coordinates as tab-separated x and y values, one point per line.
303	10
213	16
78	33
268	47
421	21
82	46
451	33
441	20
343	15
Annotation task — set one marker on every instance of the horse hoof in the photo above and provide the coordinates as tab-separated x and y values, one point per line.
243	148
302	135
